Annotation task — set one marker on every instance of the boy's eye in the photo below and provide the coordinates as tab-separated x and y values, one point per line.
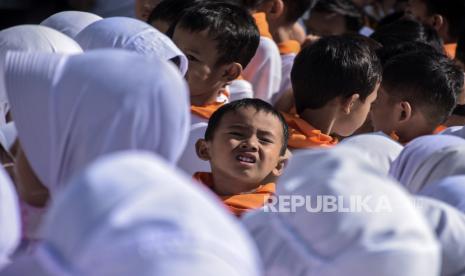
191	58
236	134
266	140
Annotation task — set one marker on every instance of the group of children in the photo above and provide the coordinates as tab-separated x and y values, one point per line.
159	145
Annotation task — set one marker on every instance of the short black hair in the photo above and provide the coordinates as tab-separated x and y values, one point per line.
258	105
335	66
297	8
385	53
253	4
452	10
353	16
407	30
429	80
231	26
460	52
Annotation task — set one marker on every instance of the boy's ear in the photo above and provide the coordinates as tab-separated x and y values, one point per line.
348	103
279	169
437	21
405	111
232	71
201	148
276	10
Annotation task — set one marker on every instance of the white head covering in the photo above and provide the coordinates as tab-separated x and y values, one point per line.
189	161
8	135
131	34
31	38
453	130
449	225
450	190
10	223
387	241
428	159
379	148
70	22
73	109
130	214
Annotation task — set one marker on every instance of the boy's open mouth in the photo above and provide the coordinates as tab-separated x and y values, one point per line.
246	158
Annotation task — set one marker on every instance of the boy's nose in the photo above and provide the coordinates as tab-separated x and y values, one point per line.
249	144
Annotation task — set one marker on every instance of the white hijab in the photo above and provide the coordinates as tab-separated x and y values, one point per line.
392	241
73	109
31	38
131	214
70	22
379	148
428	159
133	35
449	225
10	222
450	190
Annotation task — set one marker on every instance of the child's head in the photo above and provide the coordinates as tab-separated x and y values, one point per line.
143	8
418	93
219	40
446	16
245	140
340	74
168	13
334	17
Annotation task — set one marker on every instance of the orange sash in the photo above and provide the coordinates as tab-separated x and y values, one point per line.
205	111
289	47
262	24
450	49
440	128
303	135
239	204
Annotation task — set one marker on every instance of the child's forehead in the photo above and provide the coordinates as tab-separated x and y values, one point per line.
251	117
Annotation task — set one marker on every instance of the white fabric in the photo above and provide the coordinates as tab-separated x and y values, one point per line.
264	70
379	148
10	222
189	161
8	135
133	35
287	62
31	38
450	190
428	159
70	22
455	130
131	214
73	109
392	241
240	89
449	226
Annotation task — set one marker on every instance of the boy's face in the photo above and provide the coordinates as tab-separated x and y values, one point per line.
324	24
419	10
203	76
382	113
357	117
246	147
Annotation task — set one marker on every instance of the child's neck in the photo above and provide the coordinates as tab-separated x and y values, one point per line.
281	32
204	99
408	134
227	186
322	119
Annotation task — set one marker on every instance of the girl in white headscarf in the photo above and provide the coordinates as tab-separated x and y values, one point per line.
385	237
133	35
450	190
131	214
428	159
31	38
379	148
449	225
70	22
10	224
74	109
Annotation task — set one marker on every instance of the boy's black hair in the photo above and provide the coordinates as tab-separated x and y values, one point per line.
230	26
297	8
335	66
385	53
460	52
171	10
253	4
452	10
258	105
407	30
353	16
429	80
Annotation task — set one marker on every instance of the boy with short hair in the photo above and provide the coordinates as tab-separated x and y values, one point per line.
446	16
245	143
335	80
219	40
418	93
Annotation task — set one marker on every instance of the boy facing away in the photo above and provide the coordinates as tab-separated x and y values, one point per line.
245	144
335	81
219	40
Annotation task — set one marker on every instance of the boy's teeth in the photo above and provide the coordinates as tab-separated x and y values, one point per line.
245	159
